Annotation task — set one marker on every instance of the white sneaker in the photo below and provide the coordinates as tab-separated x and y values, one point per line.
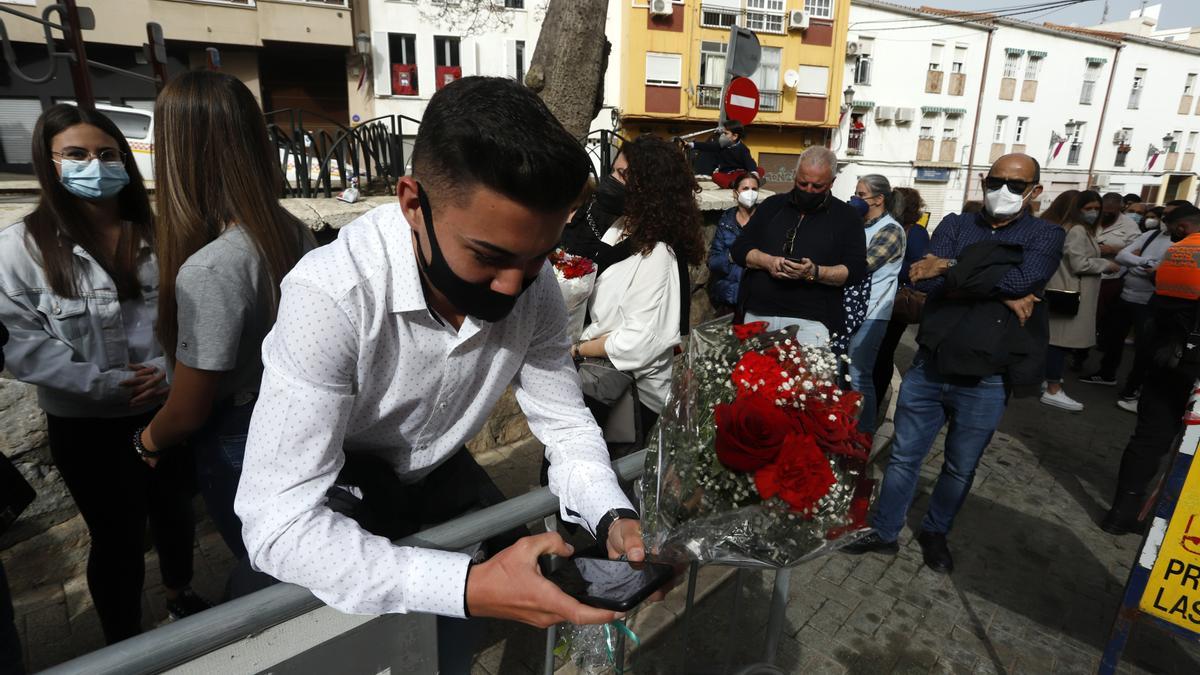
1131	405
1061	400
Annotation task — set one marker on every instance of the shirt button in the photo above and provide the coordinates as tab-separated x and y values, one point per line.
57	309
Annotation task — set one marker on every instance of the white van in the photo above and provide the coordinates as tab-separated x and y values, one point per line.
138	127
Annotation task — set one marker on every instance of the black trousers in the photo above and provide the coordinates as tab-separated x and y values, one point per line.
1160	419
885	360
117	494
1123	316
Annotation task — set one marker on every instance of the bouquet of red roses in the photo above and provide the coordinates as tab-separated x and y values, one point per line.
757	457
576	276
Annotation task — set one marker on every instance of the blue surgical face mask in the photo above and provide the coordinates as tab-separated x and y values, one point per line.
1135	217
1090	217
93	180
859	204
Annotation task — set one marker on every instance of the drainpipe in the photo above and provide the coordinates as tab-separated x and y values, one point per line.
987	57
1112	76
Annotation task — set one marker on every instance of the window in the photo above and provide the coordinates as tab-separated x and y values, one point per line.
1012	62
862	63
814	81
765	15
514	4
1191	146
1176	141
1074	134
398	75
928	120
712	74
1033	66
1189	85
950	128
663	69
960	59
767	79
1019	133
1135	92
1090	76
445	51
718	17
998	133
819	9
1124	146
516	60
935	56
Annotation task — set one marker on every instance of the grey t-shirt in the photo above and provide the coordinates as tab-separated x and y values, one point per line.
226	306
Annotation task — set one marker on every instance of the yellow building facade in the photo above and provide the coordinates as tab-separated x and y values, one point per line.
673	67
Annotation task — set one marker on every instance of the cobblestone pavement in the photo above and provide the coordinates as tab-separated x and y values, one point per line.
1034	591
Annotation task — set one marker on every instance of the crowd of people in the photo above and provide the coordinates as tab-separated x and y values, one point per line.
320	398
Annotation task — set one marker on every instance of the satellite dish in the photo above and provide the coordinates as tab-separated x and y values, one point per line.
791	78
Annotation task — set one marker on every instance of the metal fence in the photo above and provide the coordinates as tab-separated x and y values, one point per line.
177	643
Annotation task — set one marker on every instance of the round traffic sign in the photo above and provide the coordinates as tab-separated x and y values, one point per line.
741	100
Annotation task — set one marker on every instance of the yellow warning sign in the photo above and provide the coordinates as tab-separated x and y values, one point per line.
1173	591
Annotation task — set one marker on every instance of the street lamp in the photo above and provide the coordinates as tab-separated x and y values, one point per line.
362	43
1168	140
847	98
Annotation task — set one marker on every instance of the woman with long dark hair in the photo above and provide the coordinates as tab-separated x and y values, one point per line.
640	295
78	293
224	245
1078	275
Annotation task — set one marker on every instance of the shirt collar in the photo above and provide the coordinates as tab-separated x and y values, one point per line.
407	294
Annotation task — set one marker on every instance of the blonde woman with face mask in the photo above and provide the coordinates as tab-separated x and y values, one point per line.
726	274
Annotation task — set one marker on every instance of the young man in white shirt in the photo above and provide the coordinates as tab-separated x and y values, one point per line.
392	345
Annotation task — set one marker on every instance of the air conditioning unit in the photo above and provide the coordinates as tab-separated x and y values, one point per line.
1120	138
905	115
852	48
885	114
1103	180
797	19
661	8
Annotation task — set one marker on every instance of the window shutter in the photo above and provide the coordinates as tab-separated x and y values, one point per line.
381	60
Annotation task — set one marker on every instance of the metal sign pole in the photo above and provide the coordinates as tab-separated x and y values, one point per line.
80	77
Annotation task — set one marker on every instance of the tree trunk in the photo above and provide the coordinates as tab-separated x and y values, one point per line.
568	65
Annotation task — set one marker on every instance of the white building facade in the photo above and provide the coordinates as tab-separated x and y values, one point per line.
1097	109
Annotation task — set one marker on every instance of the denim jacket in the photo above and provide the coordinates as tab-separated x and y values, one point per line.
726	274
73	349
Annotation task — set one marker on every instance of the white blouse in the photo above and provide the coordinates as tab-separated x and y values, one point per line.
636	303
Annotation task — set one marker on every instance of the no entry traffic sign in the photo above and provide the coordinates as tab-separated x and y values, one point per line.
741	100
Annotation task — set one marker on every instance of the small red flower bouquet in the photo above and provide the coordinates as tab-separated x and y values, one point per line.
576	276
757	457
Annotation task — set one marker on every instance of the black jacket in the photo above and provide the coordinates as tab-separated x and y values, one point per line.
735	157
971	333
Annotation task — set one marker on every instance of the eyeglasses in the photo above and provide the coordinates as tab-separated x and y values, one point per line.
811	186
1015	185
105	155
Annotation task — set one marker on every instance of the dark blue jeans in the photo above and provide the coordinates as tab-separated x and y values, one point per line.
927	400
220	447
864	349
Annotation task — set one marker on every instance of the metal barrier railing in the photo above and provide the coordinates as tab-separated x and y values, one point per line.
181	641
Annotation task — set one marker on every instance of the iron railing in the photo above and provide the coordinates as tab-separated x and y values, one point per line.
602	147
318	154
181	641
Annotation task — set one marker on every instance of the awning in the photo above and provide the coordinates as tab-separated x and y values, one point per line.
862	105
1038	55
940	109
1096	59
1014	50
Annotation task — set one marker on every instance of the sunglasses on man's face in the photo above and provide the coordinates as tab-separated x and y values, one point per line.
1015	185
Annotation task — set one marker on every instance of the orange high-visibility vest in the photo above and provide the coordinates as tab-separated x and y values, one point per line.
1178	275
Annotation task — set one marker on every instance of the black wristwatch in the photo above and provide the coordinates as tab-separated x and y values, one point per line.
142	450
612	516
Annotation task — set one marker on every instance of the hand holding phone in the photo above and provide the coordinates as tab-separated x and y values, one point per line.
618	585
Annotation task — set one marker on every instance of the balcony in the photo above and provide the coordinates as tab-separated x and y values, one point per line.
996	153
933	82
708	96
1087	93
770	101
958	84
925	149
1172	161
948	150
1189	158
1135	98
1185	104
854	146
1008	86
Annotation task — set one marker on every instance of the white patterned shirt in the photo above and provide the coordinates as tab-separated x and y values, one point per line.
357	363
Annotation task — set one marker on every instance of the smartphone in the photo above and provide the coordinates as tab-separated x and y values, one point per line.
618	585
789	258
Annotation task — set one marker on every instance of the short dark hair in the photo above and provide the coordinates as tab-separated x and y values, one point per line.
736	127
495	132
1131	198
1178	202
1112	198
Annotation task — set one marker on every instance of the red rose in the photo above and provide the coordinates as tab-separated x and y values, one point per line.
750	432
757	372
746	331
834	426
800	475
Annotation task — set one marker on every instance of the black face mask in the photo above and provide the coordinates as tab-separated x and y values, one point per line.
476	300
807	201
610	195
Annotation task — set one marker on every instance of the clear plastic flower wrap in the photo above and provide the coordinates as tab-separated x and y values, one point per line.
756	459
576	278
594	650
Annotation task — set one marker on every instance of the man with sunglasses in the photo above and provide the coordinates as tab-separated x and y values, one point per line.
973	404
799	250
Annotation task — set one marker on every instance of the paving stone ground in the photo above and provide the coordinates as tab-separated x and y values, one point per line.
1034	591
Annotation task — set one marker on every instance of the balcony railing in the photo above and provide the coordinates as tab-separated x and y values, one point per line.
708	96
855	144
770	101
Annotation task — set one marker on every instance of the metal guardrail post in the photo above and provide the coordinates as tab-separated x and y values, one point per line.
181	641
